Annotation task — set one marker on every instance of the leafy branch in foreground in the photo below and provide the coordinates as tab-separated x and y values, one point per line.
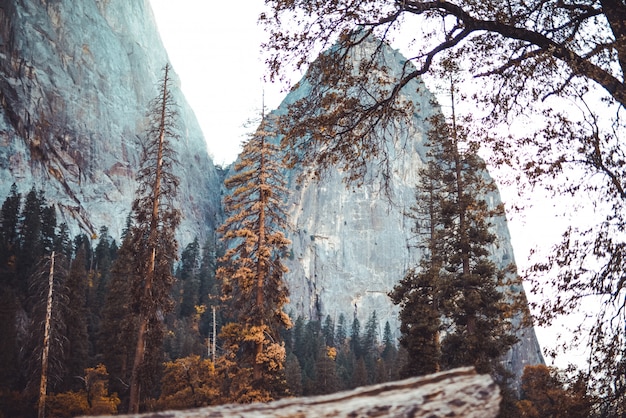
550	71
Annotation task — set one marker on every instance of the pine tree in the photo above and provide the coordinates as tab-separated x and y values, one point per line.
370	347
326	379
190	265
152	237
389	348
342	330
480	332
9	298
63	243
30	230
329	331
252	269
418	292
104	255
75	313
355	338
117	337
456	280
293	372
48	227
9	236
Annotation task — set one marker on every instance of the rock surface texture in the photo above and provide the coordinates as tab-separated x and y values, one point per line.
453	393
75	81
352	245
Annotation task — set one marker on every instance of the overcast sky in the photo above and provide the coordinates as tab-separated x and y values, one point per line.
214	46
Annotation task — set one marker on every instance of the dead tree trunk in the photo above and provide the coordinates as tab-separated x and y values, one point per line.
43	386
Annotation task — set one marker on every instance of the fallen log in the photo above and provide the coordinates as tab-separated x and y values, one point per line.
453	393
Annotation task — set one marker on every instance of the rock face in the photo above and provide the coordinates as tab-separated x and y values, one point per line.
453	393
75	81
351	246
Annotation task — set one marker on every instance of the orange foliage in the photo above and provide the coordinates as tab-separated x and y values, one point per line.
545	395
94	400
188	382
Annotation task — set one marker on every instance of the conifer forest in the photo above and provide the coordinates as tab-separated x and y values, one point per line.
359	237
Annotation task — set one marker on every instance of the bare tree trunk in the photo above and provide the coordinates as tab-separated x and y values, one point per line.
140	348
43	386
262	265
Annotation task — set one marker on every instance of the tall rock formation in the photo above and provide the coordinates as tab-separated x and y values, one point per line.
350	246
75	81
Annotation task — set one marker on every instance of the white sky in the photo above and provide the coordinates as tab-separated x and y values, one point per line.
214	46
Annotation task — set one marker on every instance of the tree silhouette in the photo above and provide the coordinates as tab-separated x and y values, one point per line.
152	235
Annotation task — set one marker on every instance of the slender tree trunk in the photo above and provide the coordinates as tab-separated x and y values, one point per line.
140	349
462	208
435	264
43	387
261	264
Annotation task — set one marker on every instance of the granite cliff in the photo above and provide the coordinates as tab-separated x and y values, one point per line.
351	245
75	81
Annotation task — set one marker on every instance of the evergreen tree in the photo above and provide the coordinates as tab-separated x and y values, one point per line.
370	347
75	313
346	362
9	353
9	302
152	238
456	279
63	245
104	255
9	236
48	227
328	331
326	379
420	320
342	330
30	230
299	343
480	332
293	372
84	242
252	269
190	265
389	348
117	337
418	292
359	377
355	338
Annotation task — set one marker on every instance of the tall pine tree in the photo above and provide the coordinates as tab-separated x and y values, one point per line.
456	279
252	267
417	292
152	237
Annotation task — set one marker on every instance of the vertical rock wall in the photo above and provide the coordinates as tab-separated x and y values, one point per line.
75	81
352	245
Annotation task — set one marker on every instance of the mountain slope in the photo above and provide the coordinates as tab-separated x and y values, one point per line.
352	245
75	81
